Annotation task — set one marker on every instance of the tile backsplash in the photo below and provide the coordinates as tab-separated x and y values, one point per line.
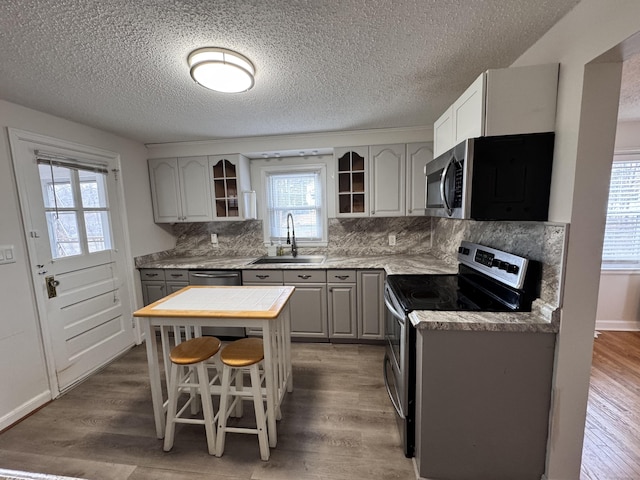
540	241
359	236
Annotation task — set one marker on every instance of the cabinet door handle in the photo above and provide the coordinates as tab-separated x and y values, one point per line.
262	277
304	277
342	277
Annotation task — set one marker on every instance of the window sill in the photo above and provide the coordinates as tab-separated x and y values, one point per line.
618	270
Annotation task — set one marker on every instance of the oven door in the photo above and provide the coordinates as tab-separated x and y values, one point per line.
397	369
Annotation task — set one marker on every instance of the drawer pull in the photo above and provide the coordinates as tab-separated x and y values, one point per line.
151	274
262	277
177	275
342	277
304	277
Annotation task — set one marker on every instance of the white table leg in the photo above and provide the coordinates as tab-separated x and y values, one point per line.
286	334
154	376
270	386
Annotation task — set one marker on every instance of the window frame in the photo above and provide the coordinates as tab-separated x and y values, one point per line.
628	266
321	169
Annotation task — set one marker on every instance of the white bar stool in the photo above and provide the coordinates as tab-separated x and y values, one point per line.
243	353
193	352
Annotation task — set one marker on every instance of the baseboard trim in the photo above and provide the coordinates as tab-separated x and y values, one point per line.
24	410
621	325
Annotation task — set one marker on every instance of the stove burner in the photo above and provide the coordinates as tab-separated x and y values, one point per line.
450	292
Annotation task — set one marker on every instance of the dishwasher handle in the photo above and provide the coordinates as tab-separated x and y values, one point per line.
214	275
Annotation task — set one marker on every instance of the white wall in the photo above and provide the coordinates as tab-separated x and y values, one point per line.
619	294
585	132
22	363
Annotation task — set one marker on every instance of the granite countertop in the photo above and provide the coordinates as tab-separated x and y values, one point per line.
392	264
542	319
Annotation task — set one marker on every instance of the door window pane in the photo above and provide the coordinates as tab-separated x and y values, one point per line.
76	207
56	186
98	235
93	189
63	234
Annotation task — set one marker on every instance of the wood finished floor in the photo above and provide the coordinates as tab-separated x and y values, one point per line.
612	433
337	424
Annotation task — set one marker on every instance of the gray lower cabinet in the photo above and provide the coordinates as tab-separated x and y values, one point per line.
176	279
158	282
329	304
482	403
308	304
342	301
371	308
261	278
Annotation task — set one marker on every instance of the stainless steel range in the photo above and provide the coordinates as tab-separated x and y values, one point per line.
488	280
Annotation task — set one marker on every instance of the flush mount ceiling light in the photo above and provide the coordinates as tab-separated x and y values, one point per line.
221	70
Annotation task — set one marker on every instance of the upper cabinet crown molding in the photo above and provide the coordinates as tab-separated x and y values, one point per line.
502	101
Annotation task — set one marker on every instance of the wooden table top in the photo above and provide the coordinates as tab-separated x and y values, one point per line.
251	302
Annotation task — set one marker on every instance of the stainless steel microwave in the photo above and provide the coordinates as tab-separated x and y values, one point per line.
492	178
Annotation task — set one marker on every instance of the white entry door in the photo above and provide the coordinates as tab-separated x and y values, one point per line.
70	201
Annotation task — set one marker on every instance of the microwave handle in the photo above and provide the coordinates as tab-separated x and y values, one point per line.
443	192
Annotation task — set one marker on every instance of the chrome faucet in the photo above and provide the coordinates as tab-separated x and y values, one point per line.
292	240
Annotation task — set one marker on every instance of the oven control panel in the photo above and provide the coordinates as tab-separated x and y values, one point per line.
503	266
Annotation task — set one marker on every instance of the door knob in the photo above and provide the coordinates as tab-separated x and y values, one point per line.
52	283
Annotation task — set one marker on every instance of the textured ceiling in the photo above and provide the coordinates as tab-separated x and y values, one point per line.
322	65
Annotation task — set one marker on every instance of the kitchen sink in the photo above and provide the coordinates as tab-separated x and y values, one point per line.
288	259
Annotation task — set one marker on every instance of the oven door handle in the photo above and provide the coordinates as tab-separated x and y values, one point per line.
386	362
387	301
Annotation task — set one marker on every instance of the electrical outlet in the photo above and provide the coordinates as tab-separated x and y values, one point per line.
6	254
214	239
392	240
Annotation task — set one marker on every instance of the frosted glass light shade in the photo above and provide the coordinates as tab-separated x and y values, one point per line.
221	70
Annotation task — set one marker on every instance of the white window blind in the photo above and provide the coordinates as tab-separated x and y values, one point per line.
622	232
299	193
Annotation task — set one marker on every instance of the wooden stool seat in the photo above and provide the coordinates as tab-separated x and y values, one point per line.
243	352
191	355
195	350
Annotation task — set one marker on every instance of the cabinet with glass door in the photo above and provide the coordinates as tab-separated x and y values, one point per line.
230	181
352	165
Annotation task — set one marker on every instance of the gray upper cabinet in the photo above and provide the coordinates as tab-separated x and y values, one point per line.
371	181
418	155
387	180
180	190
230	179
352	177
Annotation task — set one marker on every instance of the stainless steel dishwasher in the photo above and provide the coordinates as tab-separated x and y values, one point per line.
218	278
